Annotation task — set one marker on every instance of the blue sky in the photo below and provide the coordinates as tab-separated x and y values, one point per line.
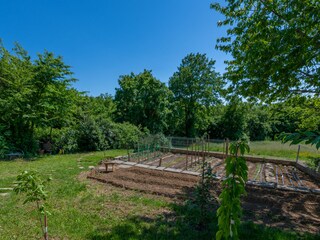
103	39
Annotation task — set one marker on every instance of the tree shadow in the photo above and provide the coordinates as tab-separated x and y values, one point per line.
187	221
184	222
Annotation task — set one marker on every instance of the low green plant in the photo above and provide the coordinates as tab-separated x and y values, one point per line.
230	211
203	196
33	187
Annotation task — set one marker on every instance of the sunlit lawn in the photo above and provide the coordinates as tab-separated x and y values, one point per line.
276	149
82	209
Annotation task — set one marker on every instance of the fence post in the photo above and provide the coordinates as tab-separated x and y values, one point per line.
191	155
297	158
187	154
227	147
224	148
203	148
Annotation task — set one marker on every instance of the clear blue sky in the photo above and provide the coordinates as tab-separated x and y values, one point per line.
103	39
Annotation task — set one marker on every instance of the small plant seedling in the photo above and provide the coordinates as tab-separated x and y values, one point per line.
203	195
33	187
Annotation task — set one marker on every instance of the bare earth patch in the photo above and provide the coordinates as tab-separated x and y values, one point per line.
277	208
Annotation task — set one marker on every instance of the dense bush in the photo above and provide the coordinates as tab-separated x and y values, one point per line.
124	135
3	146
89	135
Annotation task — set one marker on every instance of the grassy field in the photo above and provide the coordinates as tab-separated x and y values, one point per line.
82	209
276	149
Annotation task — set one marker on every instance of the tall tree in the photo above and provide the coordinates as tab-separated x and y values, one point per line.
142	100
275	46
33	94
100	107
234	120
196	87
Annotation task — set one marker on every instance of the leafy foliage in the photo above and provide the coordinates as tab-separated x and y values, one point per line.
203	195
125	135
33	94
309	137
275	47
195	86
90	136
229	211
142	100
259	125
38	106
237	119
234	120
33	187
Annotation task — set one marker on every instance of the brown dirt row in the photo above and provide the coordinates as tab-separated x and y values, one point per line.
305	178
285	209
263	172
165	160
150	181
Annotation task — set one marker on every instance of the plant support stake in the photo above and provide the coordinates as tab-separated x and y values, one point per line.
45	228
297	158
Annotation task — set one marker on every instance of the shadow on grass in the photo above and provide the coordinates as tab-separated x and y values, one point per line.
184	222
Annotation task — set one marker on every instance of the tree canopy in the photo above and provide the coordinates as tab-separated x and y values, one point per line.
33	94
275	46
196	86
142	100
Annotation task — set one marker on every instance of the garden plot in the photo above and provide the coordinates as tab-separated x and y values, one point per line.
281	175
260	172
273	207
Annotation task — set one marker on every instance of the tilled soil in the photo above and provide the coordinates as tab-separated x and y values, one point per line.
150	181
279	208
285	209
262	172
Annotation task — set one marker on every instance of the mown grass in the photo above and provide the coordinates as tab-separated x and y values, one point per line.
82	209
276	149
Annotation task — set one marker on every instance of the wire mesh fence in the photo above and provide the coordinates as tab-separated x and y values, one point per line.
157	147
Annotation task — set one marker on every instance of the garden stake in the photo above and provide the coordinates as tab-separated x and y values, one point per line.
297	158
45	228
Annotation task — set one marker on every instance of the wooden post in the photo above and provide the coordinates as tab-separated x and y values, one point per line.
197	152
128	154
138	152
203	146
191	156
297	158
227	147
187	154
45	228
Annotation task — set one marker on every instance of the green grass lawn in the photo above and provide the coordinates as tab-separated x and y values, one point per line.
82	209
275	149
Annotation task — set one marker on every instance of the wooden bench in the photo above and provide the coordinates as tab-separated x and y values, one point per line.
14	155
108	165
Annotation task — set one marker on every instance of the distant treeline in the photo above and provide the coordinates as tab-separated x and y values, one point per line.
39	107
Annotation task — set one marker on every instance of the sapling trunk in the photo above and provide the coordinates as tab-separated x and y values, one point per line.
40	218
46	237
